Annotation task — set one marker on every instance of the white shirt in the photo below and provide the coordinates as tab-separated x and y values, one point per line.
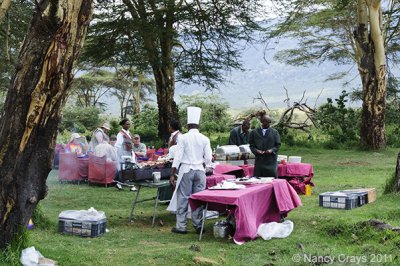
106	149
120	138
193	149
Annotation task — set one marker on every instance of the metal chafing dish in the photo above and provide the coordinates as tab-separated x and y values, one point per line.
233	153
227	153
246	152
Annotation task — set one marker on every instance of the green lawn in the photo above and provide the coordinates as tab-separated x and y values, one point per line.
318	231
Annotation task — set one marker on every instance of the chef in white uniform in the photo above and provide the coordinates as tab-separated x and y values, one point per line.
192	153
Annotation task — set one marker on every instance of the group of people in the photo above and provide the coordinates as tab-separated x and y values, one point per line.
192	154
114	147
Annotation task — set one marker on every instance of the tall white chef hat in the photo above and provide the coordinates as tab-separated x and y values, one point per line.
193	115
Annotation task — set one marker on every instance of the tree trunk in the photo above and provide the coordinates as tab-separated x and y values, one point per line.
136	94
5	5
158	49
396	184
33	106
372	69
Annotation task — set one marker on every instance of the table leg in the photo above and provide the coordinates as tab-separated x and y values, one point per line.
203	220
134	205
155	206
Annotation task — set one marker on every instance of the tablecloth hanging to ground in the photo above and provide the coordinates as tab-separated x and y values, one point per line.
254	205
72	168
297	174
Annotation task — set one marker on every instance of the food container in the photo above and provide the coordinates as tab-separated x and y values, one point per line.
282	158
156	177
227	153
294	159
245	152
221	229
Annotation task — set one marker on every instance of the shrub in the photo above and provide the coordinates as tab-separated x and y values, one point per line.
339	122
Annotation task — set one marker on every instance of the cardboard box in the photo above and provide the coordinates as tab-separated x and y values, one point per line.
371	193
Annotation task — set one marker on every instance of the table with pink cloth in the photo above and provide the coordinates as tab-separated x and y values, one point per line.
73	168
228	169
295	169
253	205
214	179
297	174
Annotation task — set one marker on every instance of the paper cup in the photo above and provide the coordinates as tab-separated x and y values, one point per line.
156	176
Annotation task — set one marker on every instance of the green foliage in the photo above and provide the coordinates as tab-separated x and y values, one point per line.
214	116
40	220
78	119
146	125
390	185
11	254
12	33
339	122
392	135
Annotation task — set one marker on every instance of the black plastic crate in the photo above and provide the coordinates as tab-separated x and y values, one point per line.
338	200
82	228
362	196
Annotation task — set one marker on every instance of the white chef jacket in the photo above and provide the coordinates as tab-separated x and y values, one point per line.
192	150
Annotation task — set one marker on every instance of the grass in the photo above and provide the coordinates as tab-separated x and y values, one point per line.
342	234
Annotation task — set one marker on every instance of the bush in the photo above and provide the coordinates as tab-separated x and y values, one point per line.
214	117
80	120
339	122
146	125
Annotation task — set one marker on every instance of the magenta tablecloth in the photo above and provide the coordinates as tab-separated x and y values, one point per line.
248	169
214	179
255	204
295	169
228	169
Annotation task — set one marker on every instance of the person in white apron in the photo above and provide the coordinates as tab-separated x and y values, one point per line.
193	151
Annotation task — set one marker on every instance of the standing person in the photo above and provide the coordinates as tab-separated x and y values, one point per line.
175	130
264	144
240	135
138	148
124	142
99	136
193	151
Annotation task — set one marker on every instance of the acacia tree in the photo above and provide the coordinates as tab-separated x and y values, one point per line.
372	68
33	105
341	31
180	41
12	32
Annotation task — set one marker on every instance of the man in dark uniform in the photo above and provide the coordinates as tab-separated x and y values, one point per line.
264	144
240	134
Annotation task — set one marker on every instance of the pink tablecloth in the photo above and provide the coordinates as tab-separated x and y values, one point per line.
248	169
254	205
72	168
228	169
295	169
214	179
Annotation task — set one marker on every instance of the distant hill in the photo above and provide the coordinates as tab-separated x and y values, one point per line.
270	79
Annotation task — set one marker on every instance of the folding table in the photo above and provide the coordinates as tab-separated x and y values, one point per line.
149	184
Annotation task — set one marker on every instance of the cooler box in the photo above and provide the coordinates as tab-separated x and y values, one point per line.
82	223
